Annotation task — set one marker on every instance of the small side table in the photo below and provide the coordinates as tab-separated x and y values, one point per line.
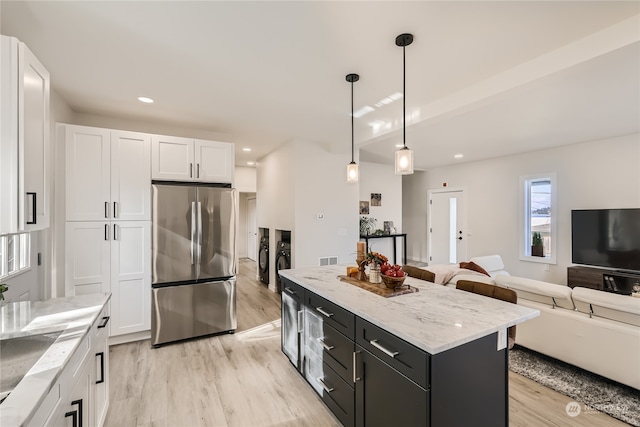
395	239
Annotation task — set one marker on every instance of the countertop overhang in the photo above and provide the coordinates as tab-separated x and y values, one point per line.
434	319
73	317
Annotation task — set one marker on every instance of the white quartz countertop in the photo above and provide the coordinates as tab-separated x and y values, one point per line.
72	317
434	319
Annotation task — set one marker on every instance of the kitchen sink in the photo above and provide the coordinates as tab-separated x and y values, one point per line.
17	357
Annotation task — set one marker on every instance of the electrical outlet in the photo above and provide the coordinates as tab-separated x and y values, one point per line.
546	267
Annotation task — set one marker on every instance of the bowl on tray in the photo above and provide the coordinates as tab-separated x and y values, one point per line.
392	282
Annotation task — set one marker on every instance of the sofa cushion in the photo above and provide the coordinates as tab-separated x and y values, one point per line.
535	290
622	308
491	263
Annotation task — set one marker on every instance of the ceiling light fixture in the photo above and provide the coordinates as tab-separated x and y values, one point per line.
404	156
145	100
246	149
352	168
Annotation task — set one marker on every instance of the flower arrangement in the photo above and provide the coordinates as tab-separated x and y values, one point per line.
375	258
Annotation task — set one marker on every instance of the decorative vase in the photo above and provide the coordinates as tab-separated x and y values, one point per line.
374	273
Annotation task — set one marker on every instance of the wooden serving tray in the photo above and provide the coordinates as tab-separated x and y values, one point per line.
380	289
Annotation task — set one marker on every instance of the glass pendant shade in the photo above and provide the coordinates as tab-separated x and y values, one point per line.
404	161
352	172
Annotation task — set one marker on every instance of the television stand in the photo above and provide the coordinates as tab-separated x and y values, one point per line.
602	279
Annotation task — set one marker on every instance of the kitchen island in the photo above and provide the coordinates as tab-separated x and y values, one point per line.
435	357
54	361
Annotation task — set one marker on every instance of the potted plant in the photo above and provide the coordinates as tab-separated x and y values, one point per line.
537	248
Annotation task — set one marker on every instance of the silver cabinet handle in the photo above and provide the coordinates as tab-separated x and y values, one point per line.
190	170
115	209
106	232
321	311
115	232
289	290
34	212
382	349
106	209
355	366
300	322
324	386
325	345
197	170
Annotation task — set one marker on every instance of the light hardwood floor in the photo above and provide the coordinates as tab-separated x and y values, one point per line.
245	380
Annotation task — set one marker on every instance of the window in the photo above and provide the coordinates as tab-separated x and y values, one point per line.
539	218
15	254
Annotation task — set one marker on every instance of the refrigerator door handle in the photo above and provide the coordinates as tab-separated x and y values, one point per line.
199	232
193	231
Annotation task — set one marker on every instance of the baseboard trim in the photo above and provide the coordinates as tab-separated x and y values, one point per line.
136	336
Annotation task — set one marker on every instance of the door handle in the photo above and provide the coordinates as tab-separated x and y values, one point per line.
105	320
199	251
324	386
193	231
101	356
79	403
323	312
355	366
325	345
33	208
382	349
460	238
74	417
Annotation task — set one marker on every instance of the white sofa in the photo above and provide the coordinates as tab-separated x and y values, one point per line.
594	330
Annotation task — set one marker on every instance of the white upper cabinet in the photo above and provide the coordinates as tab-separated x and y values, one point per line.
130	176
25	139
108	174
182	159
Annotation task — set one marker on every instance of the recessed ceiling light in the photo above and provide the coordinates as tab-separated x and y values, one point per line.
246	149
145	99
458	156
251	163
399	145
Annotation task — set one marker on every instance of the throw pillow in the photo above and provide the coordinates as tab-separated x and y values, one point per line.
473	266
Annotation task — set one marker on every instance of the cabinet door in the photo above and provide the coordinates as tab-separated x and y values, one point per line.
130	277
79	405
385	397
34	139
130	176
87	173
100	385
214	161
172	158
87	257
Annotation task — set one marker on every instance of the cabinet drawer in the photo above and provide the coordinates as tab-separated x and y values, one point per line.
338	396
342	320
294	290
399	354
324	342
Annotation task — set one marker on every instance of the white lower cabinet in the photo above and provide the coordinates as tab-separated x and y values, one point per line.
112	257
80	397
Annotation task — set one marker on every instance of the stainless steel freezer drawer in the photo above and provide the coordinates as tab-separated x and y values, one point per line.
193	310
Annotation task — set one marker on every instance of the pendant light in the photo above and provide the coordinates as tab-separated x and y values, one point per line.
404	156
352	168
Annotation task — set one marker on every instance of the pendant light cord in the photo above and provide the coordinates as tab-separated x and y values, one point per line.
404	98
352	143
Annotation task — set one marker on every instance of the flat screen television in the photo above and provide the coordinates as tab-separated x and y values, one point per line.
607	238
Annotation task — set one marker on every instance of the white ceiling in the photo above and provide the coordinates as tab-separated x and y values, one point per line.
484	79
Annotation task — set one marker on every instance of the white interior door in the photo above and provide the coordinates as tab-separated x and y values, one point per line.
447	219
252	230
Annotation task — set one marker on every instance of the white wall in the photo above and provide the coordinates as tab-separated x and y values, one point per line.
377	178
297	182
245	179
596	174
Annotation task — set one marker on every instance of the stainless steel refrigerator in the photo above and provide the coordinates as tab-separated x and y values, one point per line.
193	261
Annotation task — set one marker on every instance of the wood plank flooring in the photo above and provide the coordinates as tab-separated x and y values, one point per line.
245	380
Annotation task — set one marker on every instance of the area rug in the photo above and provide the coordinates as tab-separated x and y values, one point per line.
617	400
